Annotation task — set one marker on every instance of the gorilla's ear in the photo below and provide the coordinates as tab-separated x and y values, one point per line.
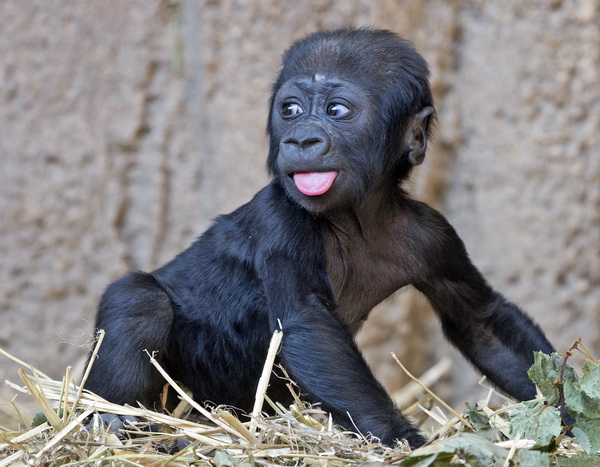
415	138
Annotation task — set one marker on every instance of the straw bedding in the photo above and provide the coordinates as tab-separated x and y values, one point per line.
68	430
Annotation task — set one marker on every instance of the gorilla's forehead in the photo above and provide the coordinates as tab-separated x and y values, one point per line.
317	83
332	64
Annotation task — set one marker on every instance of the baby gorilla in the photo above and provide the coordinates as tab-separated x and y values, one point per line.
331	236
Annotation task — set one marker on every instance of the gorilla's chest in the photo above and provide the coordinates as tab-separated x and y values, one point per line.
363	273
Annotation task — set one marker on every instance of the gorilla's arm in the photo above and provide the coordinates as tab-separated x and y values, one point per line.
321	356
493	333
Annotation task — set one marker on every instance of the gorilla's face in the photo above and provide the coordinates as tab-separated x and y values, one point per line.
326	141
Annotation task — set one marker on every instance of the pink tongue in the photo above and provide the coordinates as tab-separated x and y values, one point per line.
314	183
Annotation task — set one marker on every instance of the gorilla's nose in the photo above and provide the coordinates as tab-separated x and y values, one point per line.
306	141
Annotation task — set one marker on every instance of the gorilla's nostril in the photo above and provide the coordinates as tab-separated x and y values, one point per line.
310	142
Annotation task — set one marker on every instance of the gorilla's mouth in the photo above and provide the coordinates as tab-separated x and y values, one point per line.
314	183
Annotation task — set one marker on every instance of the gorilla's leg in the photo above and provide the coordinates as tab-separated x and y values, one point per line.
136	314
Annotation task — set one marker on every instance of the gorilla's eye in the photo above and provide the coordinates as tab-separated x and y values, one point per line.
291	110
337	110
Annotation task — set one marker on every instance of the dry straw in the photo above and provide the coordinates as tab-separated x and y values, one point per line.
71	432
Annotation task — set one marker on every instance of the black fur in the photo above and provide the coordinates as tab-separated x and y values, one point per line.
356	102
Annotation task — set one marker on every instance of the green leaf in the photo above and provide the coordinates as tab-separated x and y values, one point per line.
469	448
546	373
582	460
428	460
541	423
587	433
583	397
481	423
536	421
38	418
222	459
590	379
527	458
478	420
582	439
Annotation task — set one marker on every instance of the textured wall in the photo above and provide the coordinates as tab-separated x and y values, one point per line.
525	192
125	126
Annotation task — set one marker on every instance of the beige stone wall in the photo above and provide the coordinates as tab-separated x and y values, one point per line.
125	126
